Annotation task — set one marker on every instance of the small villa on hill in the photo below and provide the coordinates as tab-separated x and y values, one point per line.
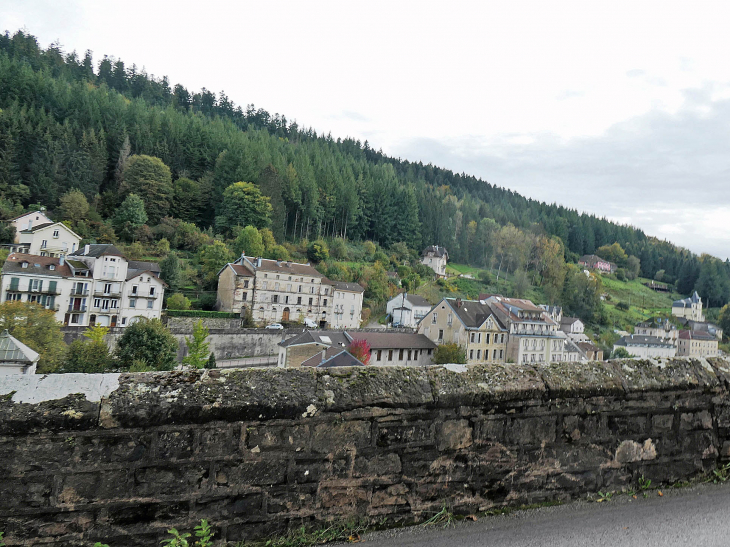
435	257
595	262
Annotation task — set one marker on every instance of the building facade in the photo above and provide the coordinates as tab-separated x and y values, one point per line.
689	308
697	344
28	220
435	257
96	285
645	347
276	290
407	310
472	325
659	328
595	262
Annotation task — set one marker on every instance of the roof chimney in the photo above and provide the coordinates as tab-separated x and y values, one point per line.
30	224
458	302
61	260
86	249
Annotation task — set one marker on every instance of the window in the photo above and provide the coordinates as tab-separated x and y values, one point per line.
380	355
44	244
300	288
433	319
244	296
245	283
409	355
441	334
472	338
479	354
450	320
105	304
325	301
310	301
311	290
124	320
55	233
107	288
152	291
114	304
288	287
471	354
390	355
97	302
486	338
400	355
75	318
265	284
276	285
275	298
132	302
286	300
299	299
277	277
150	303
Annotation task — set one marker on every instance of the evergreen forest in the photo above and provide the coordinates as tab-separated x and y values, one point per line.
125	156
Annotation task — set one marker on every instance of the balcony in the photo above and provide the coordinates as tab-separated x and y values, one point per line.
111	294
80	292
55	291
142	295
76	309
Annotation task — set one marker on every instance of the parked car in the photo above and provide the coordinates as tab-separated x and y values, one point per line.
309	323
275	326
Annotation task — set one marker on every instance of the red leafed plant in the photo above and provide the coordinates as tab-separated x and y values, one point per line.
360	349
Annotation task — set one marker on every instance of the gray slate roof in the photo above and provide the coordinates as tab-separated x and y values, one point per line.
13	350
144	266
342	286
324	337
473	313
687	302
641	340
436	250
98	249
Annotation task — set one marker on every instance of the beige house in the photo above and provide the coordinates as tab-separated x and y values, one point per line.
660	328
697	344
435	257
689	308
277	290
469	323
54	239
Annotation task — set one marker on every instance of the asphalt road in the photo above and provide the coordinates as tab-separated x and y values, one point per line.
696	517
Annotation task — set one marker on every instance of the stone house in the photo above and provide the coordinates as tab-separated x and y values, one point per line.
277	290
591	351
301	347
406	310
96	285
645	347
697	344
435	257
471	324
16	357
689	308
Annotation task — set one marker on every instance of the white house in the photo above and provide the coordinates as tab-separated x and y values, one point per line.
407	310
52	239
435	257
346	304
28	220
690	308
645	347
16	357
96	285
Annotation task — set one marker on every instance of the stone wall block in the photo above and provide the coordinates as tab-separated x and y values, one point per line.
170	479
581	379
667	374
376	465
266	437
662	423
480	385
348	388
697	420
264	472
395	434
531	431
333	438
453	435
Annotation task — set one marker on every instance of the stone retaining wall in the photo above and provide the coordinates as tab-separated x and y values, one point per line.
257	451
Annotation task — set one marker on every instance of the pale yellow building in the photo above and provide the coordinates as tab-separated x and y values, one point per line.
469	323
697	344
690	308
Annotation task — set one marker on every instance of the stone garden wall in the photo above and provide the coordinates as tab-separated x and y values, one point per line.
122	458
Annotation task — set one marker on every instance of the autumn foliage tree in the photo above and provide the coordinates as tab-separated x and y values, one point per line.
360	349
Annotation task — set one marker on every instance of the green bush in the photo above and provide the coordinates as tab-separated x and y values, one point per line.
178	301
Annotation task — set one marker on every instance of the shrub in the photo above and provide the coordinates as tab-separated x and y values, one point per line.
150	341
317	251
449	353
178	302
622	306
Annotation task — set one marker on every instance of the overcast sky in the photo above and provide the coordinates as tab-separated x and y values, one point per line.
616	108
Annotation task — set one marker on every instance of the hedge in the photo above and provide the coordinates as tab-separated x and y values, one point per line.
201	313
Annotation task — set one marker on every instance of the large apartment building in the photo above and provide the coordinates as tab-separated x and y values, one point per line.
96	285
277	290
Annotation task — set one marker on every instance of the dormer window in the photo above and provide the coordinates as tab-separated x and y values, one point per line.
52	267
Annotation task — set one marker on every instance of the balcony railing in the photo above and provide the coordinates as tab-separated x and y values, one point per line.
76	309
142	295
111	294
80	292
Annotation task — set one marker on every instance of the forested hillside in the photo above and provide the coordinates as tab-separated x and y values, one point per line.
67	124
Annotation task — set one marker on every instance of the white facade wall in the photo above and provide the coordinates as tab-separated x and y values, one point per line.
55	240
346	309
648	352
29	220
